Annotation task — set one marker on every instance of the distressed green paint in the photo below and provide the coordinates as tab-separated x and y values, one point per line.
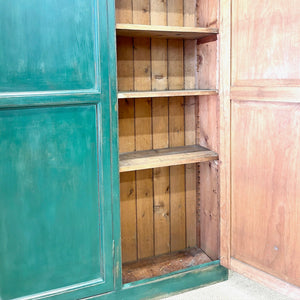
169	284
47	45
56	174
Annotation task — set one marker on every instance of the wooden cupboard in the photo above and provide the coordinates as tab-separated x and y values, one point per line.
148	145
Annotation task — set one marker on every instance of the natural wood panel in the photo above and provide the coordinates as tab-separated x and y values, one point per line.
177	176
176	128
265	42
271	94
159	64
169	93
126	144
160	125
123	11
175	64
209	217
142	71
224	151
175	12
125	64
266	187
126	125
143	129
164	264
158	14
190	67
164	32
165	157
208	135
128	216
207	12
141	12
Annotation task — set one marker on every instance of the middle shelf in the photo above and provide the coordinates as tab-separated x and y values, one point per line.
148	159
166	93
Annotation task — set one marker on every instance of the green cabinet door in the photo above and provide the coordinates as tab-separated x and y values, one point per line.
57	122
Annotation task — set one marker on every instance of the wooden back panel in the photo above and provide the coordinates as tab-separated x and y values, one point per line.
158	207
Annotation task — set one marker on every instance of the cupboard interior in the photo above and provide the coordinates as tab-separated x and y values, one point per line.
170	214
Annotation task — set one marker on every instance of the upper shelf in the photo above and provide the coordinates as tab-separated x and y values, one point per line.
166	32
168	93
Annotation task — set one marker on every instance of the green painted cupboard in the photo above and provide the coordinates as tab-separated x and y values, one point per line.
120	147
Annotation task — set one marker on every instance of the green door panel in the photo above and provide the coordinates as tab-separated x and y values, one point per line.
57	121
48	45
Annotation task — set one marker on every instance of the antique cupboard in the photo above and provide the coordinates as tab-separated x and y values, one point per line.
147	146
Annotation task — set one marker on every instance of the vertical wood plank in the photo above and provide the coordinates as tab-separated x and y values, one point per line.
225	123
144	184
142	82
208	218
190	67
176	128
127	144
158	13
160	124
125	64
175	12
123	11
141	9
177	176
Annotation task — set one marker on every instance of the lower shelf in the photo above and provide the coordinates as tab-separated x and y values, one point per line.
156	158
164	264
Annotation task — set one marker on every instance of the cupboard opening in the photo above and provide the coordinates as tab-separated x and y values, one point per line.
167	55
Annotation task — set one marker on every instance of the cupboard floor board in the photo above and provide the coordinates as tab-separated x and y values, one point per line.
163	264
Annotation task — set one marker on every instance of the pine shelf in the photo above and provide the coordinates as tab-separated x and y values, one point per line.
168	93
165	32
141	160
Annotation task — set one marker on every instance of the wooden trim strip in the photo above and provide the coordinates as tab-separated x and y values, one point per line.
278	94
266	279
225	115
148	159
170	93
165	32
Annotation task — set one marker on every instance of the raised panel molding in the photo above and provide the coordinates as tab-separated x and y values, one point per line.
265	43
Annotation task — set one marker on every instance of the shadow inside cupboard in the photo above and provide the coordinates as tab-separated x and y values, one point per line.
169	208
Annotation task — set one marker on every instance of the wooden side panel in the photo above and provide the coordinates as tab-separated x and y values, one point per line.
208	135
209	214
266	187
265	42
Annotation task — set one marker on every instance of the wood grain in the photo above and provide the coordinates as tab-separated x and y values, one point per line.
169	93
140	160
126	144
160	125
164	32
266	187
208	135
144	181
123	11
225	132
190	67
265	40
164	264
208	123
